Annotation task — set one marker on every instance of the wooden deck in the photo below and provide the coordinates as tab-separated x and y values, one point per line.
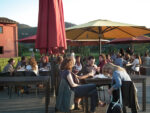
36	104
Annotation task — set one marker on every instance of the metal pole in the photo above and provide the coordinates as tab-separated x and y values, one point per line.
100	45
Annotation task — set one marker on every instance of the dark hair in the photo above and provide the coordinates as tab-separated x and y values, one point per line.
107	55
23	58
146	54
77	57
10	60
59	59
91	57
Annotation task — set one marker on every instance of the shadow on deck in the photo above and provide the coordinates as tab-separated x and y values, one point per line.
35	104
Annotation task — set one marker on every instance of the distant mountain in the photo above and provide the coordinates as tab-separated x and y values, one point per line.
26	30
23	26
68	24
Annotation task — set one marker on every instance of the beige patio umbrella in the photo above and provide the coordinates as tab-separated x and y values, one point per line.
104	29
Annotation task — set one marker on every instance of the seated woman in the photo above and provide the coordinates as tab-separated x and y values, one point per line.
136	63
108	57
102	61
45	64
10	66
84	90
78	65
33	66
118	75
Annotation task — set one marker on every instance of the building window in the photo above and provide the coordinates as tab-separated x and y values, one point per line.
1	50
1	29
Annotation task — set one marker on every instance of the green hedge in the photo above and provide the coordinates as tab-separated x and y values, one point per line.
4	62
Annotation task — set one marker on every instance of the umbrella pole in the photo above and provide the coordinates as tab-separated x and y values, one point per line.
132	46
100	45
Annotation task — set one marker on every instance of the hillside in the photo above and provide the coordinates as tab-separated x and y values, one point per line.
23	26
26	30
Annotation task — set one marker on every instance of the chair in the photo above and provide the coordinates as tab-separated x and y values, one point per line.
129	96
43	73
101	89
8	74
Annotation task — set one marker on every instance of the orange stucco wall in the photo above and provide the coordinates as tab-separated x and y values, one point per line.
8	39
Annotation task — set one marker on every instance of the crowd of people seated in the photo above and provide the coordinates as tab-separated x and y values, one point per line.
75	72
28	65
75	69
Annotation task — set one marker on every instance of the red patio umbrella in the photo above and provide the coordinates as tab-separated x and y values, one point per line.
51	37
30	39
140	39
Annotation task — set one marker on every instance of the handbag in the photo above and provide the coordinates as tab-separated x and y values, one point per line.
115	107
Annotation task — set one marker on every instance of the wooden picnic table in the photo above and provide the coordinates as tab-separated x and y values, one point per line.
29	80
108	81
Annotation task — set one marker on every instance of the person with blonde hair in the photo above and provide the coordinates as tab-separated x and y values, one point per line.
33	66
118	75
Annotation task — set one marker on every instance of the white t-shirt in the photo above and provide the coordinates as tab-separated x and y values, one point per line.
73	54
135	63
78	67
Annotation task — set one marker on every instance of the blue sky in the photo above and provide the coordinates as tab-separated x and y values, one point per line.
22	11
81	11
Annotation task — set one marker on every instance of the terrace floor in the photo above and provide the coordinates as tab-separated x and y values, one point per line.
35	104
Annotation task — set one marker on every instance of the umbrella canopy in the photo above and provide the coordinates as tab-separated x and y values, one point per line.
32	39
104	29
51	37
139	39
86	42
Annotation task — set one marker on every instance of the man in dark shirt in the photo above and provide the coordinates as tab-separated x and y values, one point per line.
89	69
22	63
